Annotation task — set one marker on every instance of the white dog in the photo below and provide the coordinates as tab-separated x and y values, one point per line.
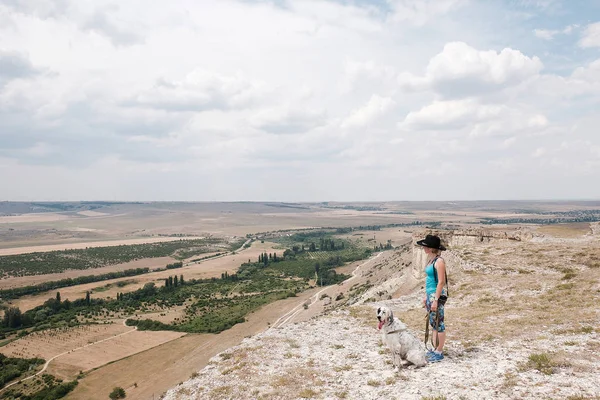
402	344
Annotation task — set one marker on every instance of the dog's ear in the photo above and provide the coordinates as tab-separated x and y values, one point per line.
391	317
378	310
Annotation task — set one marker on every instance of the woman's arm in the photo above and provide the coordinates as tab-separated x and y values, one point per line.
440	267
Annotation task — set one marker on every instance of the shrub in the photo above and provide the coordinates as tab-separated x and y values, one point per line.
117	393
541	362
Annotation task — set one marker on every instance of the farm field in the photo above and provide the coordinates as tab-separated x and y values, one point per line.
116	348
202	270
83	245
47	344
160	368
20	281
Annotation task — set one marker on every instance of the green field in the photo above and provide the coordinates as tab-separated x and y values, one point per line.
211	305
95	257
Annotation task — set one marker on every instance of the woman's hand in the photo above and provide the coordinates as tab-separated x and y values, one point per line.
434	305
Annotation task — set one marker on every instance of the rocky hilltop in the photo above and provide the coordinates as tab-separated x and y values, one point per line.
515	324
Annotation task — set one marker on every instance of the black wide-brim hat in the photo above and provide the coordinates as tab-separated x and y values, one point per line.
432	242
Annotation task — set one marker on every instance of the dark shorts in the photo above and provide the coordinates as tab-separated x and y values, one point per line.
433	316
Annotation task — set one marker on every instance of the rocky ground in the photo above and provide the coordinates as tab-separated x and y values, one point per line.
521	334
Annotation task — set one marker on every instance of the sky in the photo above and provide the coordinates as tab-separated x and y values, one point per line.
299	100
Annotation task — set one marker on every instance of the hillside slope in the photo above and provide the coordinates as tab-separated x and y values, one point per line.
516	327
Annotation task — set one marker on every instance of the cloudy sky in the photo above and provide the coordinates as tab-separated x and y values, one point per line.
299	100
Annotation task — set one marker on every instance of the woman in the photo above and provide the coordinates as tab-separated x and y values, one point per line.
435	283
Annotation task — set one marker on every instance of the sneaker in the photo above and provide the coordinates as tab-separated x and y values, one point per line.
429	353
435	357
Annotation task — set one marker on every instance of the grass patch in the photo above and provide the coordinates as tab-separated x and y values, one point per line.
510	380
307	393
541	362
233	369
565	286
390	380
569	275
221	391
346	367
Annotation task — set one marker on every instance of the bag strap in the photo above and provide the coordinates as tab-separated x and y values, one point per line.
436	276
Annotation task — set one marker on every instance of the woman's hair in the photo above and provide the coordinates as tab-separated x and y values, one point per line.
437	252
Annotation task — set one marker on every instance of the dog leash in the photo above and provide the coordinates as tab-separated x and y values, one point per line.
437	324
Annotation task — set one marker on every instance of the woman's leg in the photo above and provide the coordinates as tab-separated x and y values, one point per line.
441	336
439	332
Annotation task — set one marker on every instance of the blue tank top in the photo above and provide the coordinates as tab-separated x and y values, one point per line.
430	285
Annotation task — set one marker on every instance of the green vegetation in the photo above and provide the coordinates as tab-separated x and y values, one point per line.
553	217
13	368
542	362
218	304
211	305
95	257
15	293
117	393
45	388
317	232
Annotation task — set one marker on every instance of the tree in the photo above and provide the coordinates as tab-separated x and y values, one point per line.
12	318
175	281
88	300
117	393
181	279
58	297
287	253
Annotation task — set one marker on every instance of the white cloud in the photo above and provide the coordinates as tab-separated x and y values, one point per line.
200	90
548	34
119	32
146	97
289	120
539	152
419	12
589	73
370	72
460	70
375	108
15	65
591	36
545	34
452	114
40	8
